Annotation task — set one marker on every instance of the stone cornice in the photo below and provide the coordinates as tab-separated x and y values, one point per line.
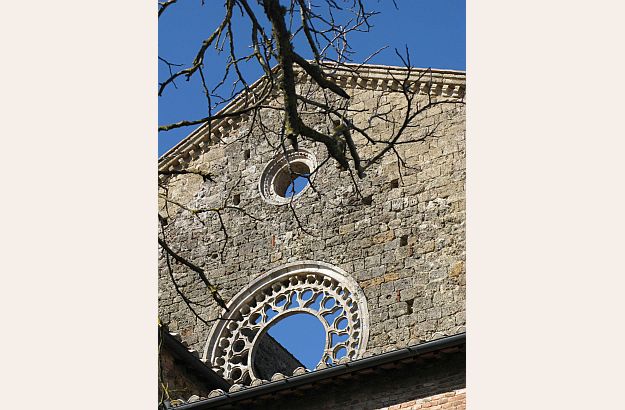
446	83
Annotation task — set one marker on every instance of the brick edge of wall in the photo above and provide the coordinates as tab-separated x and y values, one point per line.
455	399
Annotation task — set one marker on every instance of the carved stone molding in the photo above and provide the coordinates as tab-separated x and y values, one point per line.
276	177
447	83
315	288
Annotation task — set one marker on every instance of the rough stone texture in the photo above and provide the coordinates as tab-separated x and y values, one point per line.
406	249
272	357
180	382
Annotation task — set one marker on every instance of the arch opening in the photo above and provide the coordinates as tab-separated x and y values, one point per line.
320	311
297	340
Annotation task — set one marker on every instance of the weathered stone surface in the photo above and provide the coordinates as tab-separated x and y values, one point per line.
406	248
272	357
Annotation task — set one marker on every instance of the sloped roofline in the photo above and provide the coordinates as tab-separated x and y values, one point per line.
449	344
450	83
190	358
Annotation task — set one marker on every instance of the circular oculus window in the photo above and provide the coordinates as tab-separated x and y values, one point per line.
286	177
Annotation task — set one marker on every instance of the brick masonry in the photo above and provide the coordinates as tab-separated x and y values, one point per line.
456	399
406	249
180	382
434	385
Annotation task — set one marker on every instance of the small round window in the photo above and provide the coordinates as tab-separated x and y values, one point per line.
287	176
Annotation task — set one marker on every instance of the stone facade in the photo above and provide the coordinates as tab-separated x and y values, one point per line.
404	245
272	357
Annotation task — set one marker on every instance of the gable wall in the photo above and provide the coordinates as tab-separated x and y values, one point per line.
415	292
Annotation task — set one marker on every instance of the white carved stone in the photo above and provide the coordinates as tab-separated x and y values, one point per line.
316	288
277	175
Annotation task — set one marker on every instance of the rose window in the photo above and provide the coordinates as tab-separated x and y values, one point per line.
237	347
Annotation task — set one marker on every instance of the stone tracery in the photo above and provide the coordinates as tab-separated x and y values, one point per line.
315	288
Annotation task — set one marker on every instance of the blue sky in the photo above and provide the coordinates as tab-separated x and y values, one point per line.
303	335
433	31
